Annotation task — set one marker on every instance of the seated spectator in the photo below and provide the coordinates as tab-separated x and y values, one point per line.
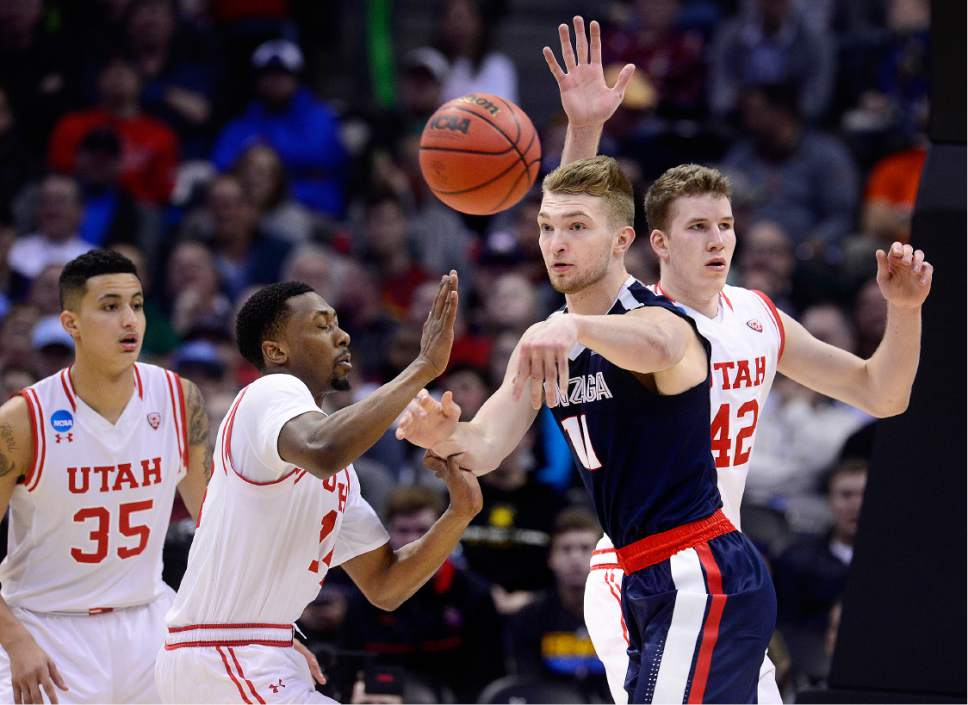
468	384
785	172
319	266
17	166
111	215
53	347
302	129
771	44
766	262
548	637
800	433
202	363
244	254
362	315
15	336
44	294
386	248
193	292
149	149
176	72
448	633
511	304
159	338
465	36
670	58
13	378
263	178
56	239
507	542
811	574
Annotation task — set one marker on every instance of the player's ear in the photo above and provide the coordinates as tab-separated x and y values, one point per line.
626	236
68	319
275	352
660	243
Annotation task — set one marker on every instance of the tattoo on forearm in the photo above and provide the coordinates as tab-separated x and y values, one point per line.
7	446
198	431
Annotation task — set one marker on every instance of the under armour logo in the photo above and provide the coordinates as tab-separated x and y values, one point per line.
274	687
68	436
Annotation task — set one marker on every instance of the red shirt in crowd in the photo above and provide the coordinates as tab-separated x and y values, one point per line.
149	150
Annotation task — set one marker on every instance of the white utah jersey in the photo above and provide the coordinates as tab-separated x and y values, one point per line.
268	531
88	523
746	338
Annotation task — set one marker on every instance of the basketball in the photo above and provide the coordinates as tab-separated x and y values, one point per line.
479	154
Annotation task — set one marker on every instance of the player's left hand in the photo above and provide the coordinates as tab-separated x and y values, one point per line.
466	499
903	275
543	360
311	661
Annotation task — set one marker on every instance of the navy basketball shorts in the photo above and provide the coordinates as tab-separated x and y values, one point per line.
699	623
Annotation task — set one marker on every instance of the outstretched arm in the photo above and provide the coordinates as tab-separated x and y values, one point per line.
389	577
586	98
481	443
881	385
192	486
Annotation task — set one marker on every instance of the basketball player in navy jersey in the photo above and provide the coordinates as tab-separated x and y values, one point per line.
626	374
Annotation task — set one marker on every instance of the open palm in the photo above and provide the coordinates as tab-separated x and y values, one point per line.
585	96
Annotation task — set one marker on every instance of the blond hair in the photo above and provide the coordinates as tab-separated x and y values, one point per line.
679	181
600	177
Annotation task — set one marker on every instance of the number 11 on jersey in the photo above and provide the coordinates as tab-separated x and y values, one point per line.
577	429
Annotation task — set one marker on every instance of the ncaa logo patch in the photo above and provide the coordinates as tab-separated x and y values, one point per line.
755	325
154	420
62	421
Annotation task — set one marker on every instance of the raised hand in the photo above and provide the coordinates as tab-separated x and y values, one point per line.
426	422
438	330
543	360
587	99
903	275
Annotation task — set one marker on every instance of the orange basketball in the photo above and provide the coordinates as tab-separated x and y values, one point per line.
480	154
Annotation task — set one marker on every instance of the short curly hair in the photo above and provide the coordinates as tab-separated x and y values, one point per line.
73	278
262	316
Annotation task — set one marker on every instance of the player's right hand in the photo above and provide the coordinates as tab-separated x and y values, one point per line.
585	97
438	330
426	422
30	670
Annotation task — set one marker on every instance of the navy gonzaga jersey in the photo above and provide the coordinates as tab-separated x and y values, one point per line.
644	457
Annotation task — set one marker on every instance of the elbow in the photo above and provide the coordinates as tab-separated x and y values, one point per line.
890	407
326	460
387	601
670	349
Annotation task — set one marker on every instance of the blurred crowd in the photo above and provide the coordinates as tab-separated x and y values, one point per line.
192	136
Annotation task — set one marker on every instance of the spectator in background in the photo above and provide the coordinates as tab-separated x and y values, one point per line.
40	70
511	304
193	291
507	542
362	315
149	149
8	236
111	215
56	240
448	634
811	574
52	346
783	171
771	44
801	432
159	337
17	166
44	294
465	36
15	336
766	263
263	178
201	362
870	317
548	636
319	266
13	378
671	58
387	249
178	76
244	254
468	384
892	188
302	129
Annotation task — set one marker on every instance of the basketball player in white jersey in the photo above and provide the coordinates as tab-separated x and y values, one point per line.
691	221
284	504
90	459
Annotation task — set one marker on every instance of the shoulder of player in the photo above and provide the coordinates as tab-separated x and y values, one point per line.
16	437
